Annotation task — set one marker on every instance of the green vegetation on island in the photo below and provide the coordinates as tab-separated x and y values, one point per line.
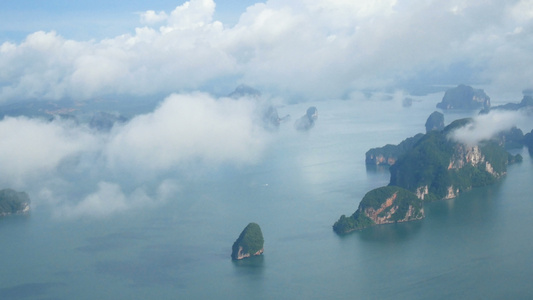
388	204
249	243
13	202
432	166
388	154
438	167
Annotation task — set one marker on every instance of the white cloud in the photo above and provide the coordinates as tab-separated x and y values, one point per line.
184	128
316	49
81	172
486	127
151	17
109	199
32	148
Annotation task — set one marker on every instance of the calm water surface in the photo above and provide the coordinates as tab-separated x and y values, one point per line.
477	246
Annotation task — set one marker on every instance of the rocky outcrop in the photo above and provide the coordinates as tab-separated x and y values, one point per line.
384	205
388	154
307	121
271	119
511	139
244	90
464	97
526	103
249	243
528	141
13	202
438	167
435	121
104	121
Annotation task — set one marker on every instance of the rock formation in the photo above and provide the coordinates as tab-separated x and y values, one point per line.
12	202
388	154
390	204
464	97
438	167
435	167
435	121
271	119
244	90
104	121
526	103
528	141
249	243
307	121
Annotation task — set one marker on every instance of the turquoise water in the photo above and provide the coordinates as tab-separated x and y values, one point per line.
477	246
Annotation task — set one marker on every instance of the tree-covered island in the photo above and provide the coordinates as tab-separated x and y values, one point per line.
249	243
435	167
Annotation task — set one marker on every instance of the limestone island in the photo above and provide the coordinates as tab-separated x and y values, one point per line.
388	204
249	243
464	97
434	167
525	104
13	202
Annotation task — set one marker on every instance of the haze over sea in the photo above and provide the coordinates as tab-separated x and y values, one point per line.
477	246
148	208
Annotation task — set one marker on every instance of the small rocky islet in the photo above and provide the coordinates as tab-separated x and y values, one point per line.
249	243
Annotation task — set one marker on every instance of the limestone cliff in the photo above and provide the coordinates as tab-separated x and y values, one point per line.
249	243
384	205
438	167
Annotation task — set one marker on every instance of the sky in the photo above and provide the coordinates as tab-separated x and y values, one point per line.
92	19
188	55
297	48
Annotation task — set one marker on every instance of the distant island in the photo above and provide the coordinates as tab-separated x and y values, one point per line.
13	202
435	121
464	97
527	102
307	121
432	166
244	90
249	243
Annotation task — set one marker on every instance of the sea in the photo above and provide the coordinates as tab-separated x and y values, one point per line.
476	246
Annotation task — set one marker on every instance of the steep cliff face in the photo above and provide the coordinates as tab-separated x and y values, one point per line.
464	155
440	168
384	205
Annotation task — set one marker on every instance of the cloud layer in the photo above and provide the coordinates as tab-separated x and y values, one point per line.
314	49
486	127
82	172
